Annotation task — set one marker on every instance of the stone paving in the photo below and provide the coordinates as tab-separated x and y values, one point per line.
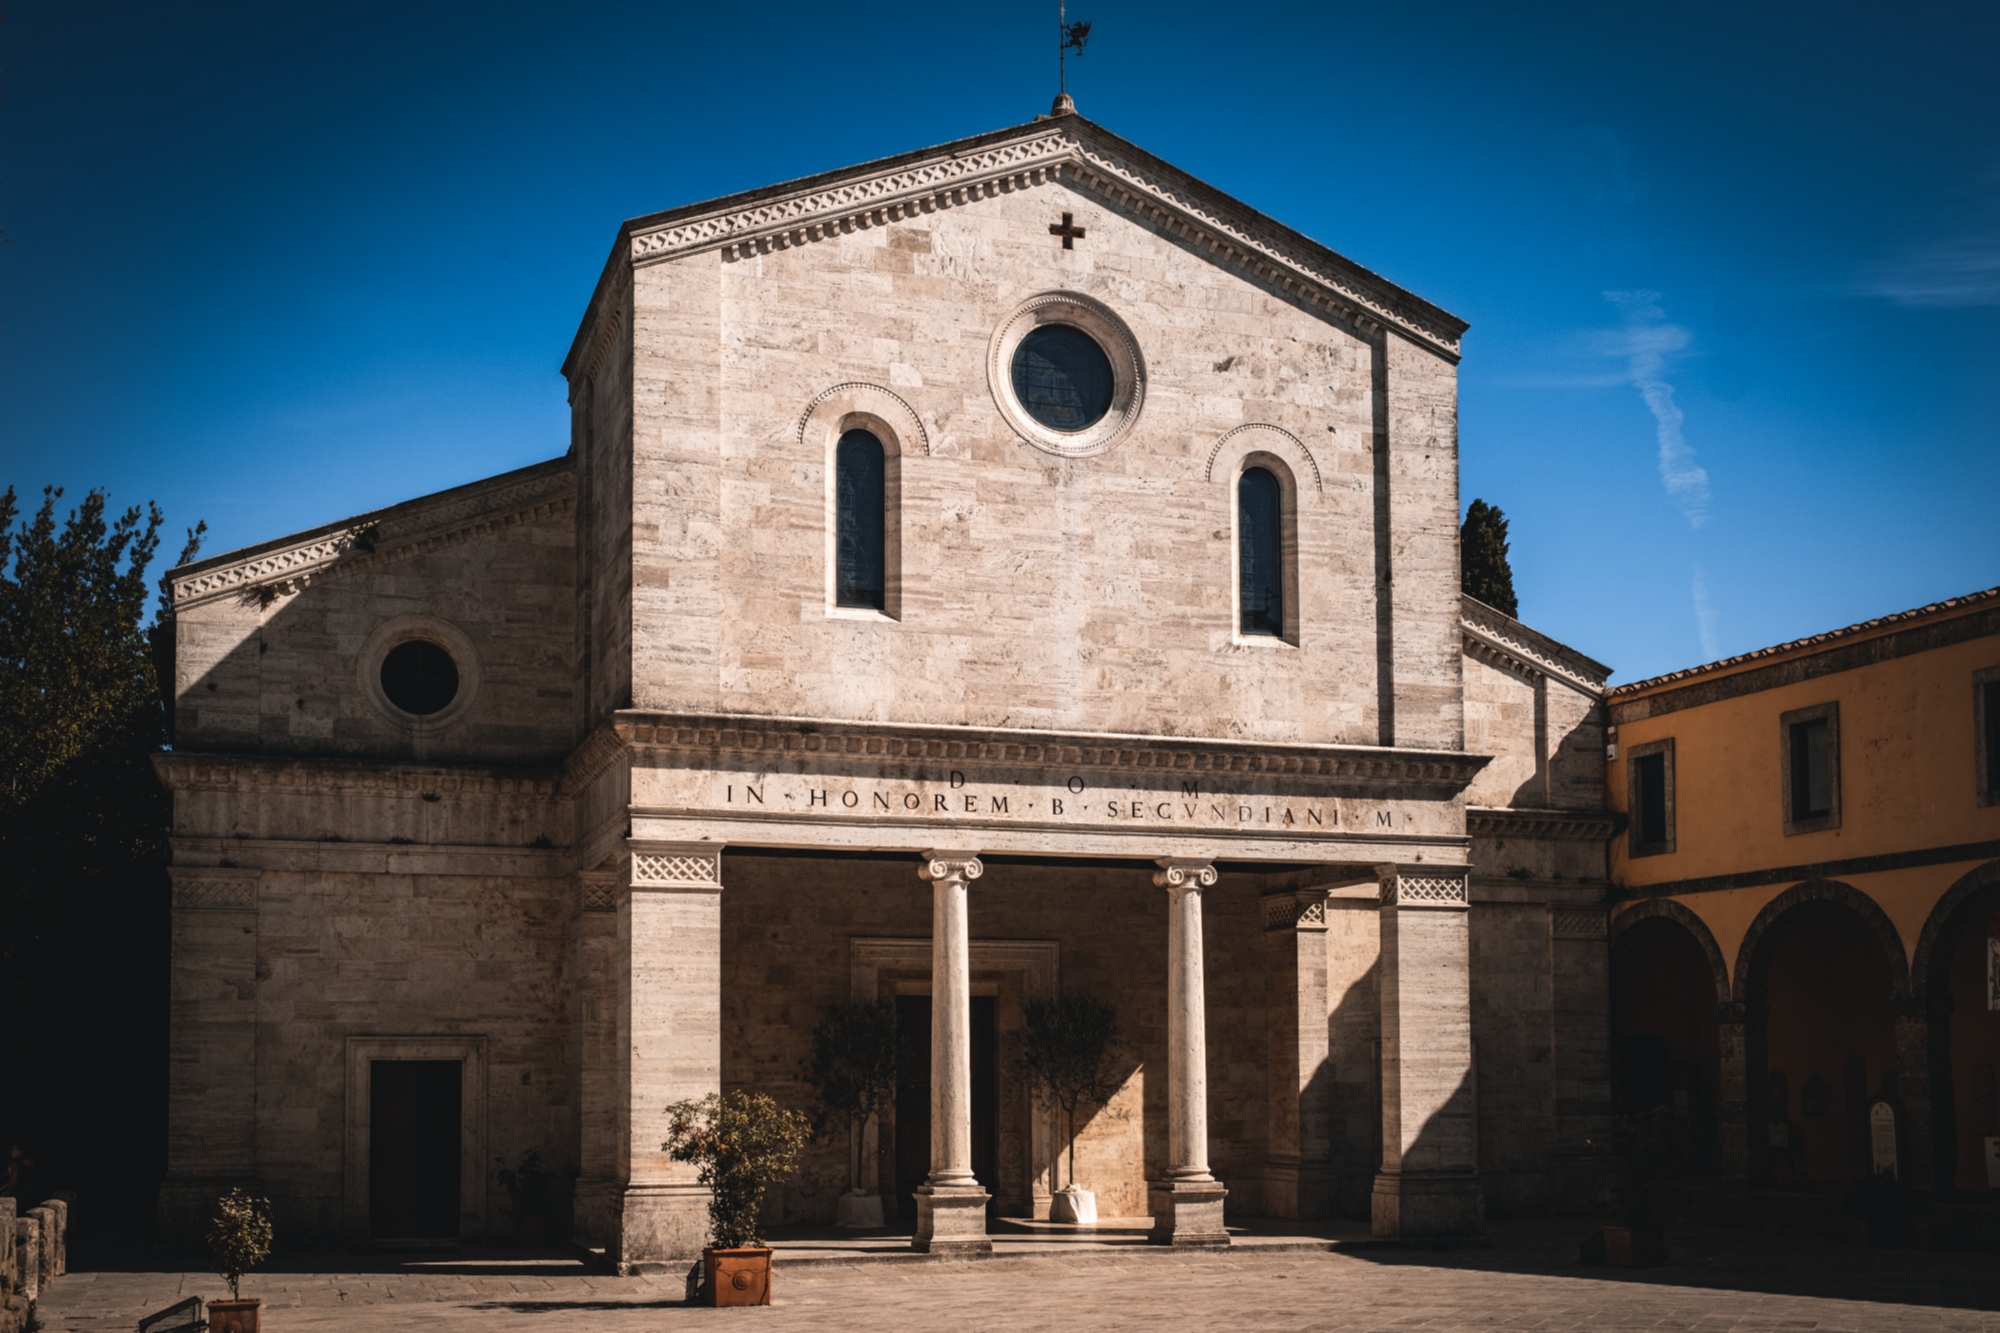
1527	1279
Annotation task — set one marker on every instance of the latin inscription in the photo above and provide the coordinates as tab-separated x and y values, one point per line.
951	794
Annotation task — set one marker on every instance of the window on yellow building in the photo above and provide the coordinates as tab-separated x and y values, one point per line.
1811	763
1650	798
1986	732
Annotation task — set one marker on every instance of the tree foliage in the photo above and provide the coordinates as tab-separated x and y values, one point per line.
1482	558
1067	1049
239	1236
741	1144
83	827
852	1068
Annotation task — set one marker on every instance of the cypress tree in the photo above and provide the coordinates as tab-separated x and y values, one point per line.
1482	558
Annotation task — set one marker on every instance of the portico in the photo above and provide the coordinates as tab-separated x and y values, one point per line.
924	810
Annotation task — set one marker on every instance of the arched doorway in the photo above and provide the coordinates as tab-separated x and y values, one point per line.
1664	1042
1824	988
1955	973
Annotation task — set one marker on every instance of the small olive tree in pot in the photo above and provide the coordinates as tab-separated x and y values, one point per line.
239	1238
852	1070
1067	1049
741	1144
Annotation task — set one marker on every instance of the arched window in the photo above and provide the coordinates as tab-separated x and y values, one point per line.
858	508
1260	553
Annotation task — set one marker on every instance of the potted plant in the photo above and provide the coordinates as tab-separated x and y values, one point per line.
1646	1147
531	1190
742	1144
1066	1055
852	1070
239	1238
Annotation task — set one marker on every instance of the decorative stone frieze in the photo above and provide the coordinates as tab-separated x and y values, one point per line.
1295	909
1571	925
696	866
659	736
214	888
1425	890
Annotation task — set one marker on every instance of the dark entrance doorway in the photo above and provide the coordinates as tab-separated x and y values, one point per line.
913	1097
413	1149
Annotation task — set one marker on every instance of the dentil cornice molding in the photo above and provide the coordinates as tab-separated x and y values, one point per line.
384	537
673	737
1496	637
1067	149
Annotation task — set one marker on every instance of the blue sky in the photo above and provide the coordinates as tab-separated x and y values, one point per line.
1733	271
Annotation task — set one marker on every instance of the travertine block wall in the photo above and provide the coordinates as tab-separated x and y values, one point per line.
274	667
1036	589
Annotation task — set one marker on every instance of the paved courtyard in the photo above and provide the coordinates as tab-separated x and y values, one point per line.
1528	1279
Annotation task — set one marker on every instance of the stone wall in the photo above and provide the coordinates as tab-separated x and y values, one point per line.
1036	590
273	654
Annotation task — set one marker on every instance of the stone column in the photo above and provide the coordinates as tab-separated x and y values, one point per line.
1428	1184
1298	1171
594	988
211	1045
1916	1146
951	1205
1187	1204
667	979
1735	1135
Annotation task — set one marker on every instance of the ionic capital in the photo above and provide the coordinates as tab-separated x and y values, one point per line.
941	866
1184	874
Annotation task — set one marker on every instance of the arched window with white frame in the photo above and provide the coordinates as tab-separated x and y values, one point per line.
860	564
1260	553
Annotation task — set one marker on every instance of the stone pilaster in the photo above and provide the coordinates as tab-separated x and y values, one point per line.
667	978
594	991
951	1203
1187	1203
1298	1171
1428	1184
1580	1045
212	1045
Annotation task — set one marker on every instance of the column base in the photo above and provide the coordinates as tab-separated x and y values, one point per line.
1187	1212
951	1221
660	1228
1440	1204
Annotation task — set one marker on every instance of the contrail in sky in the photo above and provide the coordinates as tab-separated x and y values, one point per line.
1648	342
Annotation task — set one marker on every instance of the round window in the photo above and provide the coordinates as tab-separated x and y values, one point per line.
1062	377
419	677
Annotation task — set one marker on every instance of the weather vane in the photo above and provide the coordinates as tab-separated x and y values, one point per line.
1073	36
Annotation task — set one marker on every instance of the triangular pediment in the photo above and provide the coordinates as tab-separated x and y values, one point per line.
286	565
1066	149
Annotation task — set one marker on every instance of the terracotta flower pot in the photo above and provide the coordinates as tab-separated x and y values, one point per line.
234	1316
737	1277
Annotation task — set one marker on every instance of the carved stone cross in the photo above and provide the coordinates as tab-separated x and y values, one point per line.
1068	230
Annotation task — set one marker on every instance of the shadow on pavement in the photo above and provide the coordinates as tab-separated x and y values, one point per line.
1712	1258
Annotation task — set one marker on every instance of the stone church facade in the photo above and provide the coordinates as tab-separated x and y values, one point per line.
505	817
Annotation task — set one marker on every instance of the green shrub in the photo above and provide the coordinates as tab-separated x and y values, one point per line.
742	1144
239	1237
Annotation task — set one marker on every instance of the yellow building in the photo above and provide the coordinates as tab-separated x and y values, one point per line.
1807	887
